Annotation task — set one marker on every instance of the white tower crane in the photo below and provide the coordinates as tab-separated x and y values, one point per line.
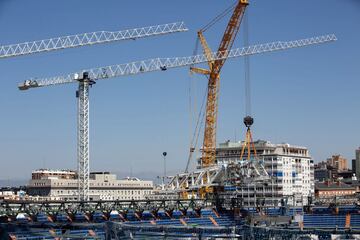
79	40
86	78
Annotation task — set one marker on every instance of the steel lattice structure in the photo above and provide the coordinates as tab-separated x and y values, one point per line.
249	171
86	39
83	139
158	64
209	142
10	209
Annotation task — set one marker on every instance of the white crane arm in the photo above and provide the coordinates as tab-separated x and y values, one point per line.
85	39
158	64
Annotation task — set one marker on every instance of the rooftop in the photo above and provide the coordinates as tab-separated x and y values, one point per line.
333	186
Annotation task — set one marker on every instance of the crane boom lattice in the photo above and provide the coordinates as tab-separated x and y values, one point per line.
158	64
90	38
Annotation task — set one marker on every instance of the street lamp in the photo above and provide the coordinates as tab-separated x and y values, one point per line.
164	177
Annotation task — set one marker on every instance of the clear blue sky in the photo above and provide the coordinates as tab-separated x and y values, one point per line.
306	96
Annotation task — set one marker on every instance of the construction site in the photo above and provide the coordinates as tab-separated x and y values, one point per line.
247	189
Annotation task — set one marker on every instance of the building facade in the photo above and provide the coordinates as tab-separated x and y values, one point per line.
60	174
291	169
12	193
353	165
330	189
338	162
357	163
322	174
103	186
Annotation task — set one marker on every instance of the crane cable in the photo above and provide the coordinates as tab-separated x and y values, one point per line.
249	143
194	136
247	68
197	131
219	17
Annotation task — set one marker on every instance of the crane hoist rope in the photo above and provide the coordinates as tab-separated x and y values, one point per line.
247	75
248	120
197	130
218	17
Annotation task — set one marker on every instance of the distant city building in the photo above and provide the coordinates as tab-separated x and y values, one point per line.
324	171
334	169
291	168
321	173
353	165
357	163
320	165
12	193
103	186
332	189
338	162
345	175
59	174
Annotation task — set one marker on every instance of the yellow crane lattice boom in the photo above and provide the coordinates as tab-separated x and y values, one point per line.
209	145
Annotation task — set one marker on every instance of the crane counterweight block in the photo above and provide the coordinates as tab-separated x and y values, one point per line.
28	84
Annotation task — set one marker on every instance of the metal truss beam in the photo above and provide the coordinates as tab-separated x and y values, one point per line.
251	171
86	39
10	209
83	140
158	64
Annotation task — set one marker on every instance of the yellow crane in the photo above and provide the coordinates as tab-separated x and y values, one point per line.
209	144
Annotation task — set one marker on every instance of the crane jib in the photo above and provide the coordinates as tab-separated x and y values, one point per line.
155	64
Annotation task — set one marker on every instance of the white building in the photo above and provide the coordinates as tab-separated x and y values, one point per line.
103	186
290	167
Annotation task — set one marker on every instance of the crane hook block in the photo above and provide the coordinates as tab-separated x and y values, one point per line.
248	121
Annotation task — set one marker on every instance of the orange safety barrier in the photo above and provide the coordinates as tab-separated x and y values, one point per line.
347	220
216	213
213	221
183	222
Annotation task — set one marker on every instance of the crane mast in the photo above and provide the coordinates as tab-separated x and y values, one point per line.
83	154
209	145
